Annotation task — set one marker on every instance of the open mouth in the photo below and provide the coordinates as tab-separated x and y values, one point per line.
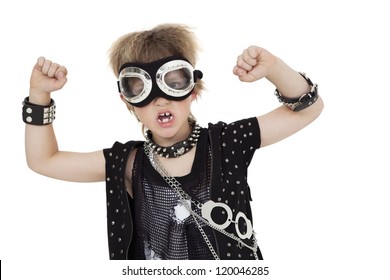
165	117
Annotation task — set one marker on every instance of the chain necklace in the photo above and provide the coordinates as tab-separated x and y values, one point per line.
178	149
183	196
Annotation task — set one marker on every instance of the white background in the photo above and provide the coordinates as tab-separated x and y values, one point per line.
321	200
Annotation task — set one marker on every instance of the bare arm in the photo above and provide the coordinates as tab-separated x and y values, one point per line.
255	63
42	153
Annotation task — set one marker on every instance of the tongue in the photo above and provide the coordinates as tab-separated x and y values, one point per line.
164	118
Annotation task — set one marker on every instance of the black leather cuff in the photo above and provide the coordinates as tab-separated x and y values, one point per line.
306	100
38	115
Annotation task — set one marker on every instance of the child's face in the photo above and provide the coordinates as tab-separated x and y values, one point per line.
167	119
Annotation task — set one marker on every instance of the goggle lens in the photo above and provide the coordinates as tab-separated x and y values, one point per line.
178	81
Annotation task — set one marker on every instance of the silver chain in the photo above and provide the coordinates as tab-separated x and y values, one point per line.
205	238
176	186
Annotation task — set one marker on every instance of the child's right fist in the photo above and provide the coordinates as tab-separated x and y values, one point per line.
47	77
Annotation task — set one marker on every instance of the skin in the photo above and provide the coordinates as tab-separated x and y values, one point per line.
255	63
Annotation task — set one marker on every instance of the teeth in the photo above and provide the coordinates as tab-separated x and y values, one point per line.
164	120
165	117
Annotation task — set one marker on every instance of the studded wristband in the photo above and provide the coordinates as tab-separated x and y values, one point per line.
300	103
37	114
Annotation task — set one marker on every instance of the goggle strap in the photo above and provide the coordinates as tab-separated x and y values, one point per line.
198	75
119	86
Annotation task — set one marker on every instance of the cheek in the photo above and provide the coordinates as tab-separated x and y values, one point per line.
142	114
138	113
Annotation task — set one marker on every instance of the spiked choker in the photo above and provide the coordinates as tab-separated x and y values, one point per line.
178	149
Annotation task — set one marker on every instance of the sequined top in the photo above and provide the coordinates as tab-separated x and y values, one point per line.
132	234
165	229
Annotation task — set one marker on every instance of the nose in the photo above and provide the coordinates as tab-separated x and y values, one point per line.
161	101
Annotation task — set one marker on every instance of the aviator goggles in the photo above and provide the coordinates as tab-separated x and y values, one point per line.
172	78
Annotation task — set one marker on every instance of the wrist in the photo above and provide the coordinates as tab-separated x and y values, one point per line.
287	80
39	98
275	69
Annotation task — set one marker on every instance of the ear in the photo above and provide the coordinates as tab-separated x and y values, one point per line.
194	96
123	99
128	105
